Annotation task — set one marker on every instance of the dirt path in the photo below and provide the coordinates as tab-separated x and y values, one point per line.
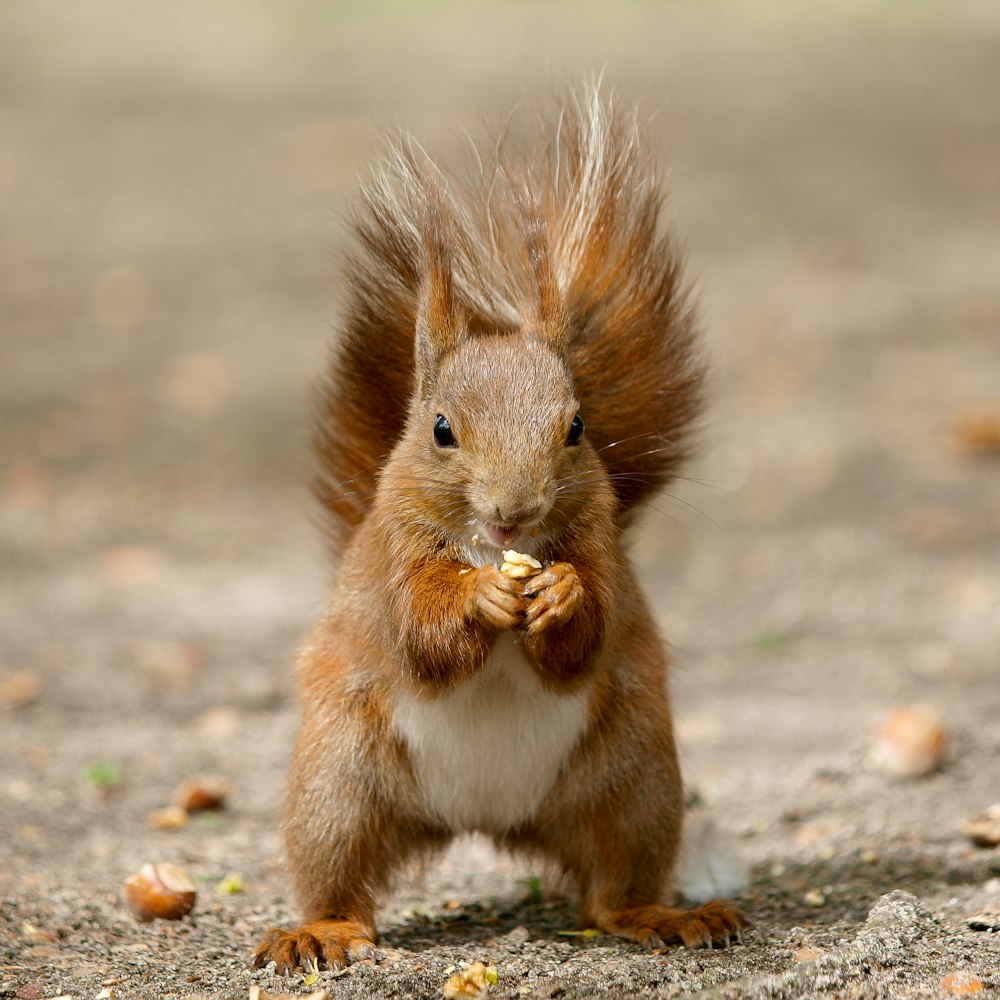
172	190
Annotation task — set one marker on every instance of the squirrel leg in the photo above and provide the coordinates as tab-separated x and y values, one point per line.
451	616
346	831
621	886
621	843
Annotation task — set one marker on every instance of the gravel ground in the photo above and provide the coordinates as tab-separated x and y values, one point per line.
173	184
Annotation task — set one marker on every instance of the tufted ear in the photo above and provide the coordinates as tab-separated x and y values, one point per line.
544	309
440	322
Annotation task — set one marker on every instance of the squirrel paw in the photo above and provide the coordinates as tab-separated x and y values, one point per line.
494	599
555	594
333	943
715	923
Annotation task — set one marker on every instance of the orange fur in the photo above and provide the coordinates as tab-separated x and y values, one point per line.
551	296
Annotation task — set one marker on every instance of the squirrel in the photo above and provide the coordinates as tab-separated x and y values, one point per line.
518	371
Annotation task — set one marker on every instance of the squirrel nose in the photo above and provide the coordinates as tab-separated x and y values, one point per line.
517	511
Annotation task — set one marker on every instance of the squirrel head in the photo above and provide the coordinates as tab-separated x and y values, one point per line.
495	426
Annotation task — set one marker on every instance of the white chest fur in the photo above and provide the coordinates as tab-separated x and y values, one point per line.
486	753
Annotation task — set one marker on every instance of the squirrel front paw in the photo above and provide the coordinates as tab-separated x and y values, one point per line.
494	599
554	595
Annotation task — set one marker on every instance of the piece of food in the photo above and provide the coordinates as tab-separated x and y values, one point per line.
910	743
519	565
160	891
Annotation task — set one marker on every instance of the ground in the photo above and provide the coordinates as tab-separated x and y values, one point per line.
174	185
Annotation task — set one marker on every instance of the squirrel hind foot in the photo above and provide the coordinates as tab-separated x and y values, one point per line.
716	924
330	943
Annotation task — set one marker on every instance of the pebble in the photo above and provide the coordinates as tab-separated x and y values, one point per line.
519	935
984	830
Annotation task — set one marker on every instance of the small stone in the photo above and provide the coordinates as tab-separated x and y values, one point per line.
986	920
814	898
984	830
519	935
806	954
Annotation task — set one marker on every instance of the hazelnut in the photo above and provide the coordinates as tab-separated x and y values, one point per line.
160	890
910	743
200	794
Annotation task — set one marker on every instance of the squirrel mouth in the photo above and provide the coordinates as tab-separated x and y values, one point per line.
501	535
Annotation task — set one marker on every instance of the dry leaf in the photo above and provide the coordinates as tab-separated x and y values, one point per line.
171	818
473	982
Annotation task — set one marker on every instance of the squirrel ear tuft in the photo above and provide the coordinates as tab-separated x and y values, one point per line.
439	319
544	310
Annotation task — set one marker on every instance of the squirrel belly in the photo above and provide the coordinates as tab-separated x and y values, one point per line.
486	752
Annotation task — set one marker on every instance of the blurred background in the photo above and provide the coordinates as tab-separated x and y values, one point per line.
175	181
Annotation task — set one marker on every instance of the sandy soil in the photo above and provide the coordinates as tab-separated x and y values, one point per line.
173	184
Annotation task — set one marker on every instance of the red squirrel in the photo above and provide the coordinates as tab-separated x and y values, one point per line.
518	370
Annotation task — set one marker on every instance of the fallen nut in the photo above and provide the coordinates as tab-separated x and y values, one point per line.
519	565
161	891
979	429
18	690
200	794
962	982
910	743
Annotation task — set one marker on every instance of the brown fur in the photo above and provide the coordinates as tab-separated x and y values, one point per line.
557	297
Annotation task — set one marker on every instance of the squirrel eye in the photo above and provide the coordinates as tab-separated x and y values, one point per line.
443	437
575	431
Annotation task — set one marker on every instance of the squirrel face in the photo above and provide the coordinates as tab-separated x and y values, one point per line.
502	427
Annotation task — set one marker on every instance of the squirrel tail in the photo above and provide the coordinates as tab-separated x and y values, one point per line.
588	200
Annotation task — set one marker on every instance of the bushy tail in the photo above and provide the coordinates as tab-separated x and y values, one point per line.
590	188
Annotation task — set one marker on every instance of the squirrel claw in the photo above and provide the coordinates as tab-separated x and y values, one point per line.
555	594
494	600
716	923
332	943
